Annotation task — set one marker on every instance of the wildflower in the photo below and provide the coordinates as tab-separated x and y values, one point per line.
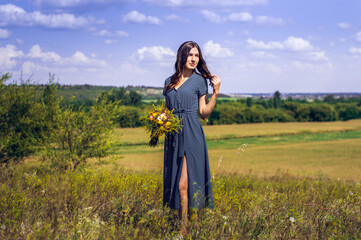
3	227
43	191
292	219
351	193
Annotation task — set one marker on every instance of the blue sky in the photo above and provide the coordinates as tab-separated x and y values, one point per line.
254	46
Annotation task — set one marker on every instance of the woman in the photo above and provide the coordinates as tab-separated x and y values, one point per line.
187	180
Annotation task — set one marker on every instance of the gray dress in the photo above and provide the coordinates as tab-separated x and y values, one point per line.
189	142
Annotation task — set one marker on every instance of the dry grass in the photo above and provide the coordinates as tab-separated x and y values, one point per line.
340	158
138	136
334	159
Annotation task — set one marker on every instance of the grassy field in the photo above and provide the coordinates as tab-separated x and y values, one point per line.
291	181
320	149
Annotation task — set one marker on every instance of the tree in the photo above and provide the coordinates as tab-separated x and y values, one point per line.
134	98
121	96
276	99
329	99
249	102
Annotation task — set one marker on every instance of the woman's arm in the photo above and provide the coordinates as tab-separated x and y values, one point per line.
205	107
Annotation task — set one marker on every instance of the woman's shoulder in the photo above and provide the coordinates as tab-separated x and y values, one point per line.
167	80
200	79
198	76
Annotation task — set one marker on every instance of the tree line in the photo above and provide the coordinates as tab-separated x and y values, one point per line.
277	110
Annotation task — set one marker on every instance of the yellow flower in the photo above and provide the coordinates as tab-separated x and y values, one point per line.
160	122
168	124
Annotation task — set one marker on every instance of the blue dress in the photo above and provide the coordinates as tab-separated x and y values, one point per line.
189	142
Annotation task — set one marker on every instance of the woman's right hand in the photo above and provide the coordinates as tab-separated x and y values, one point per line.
216	83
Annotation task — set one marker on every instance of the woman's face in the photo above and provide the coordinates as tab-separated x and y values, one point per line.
193	59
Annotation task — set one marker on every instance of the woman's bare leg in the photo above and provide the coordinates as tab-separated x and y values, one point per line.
183	191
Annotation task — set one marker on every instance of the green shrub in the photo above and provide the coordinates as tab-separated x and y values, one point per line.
81	134
24	119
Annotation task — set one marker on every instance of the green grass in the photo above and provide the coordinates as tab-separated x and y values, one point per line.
234	143
287	139
37	203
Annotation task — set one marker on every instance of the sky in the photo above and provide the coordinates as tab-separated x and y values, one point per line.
254	46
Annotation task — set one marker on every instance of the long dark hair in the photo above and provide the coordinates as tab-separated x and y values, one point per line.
182	55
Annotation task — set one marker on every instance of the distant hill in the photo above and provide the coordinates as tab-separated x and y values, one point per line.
91	92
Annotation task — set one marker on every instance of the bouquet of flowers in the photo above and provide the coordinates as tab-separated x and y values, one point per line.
159	122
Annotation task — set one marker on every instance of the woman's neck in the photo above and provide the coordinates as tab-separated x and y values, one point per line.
187	73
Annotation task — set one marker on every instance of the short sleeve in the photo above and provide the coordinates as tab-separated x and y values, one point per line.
203	88
166	83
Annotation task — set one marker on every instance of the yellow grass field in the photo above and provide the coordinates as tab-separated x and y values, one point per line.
272	153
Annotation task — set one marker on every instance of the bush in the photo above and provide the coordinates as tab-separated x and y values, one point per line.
80	135
128	117
24	119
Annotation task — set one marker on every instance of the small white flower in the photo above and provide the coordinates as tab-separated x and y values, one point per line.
351	193
43	191
224	217
292	219
3	227
338	179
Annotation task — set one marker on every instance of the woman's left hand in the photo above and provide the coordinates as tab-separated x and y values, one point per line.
216	83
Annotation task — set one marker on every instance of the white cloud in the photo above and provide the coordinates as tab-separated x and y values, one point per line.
14	15
212	49
207	3
358	37
240	17
291	43
77	3
19	41
266	20
120	33
8	56
137	17
103	33
110	41
29	67
343	25
233	17
4	33
211	16
262	45
262	54
176	18
154	53
54	59
354	50
106	33
36	52
297	44
318	56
